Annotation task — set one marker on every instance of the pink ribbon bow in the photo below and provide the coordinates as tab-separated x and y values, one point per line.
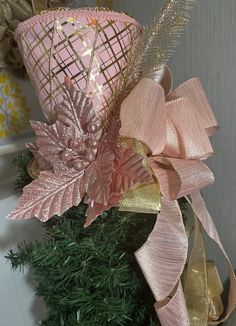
176	130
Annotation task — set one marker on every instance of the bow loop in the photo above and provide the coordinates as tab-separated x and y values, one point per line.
187	137
178	178
193	90
144	117
179	127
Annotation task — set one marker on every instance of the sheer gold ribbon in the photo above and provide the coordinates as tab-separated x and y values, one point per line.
145	198
202	285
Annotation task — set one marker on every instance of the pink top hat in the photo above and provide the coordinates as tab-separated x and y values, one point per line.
90	46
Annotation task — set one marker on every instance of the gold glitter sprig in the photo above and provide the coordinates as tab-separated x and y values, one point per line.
160	39
153	51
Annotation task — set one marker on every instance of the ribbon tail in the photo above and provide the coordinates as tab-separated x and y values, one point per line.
198	205
175	311
162	259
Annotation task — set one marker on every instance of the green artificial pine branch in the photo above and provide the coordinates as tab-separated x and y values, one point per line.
20	162
88	277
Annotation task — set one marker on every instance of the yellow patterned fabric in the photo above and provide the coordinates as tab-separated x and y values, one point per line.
14	111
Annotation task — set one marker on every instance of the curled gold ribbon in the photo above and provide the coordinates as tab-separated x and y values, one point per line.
196	281
202	284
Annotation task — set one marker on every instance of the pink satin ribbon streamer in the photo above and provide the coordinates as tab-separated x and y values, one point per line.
175	311
177	136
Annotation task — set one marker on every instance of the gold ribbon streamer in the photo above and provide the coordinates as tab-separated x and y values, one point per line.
195	283
202	284
215	287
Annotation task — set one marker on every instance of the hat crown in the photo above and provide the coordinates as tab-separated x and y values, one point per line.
89	46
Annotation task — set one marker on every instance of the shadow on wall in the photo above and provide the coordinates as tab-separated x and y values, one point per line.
19	231
37	309
17	288
232	319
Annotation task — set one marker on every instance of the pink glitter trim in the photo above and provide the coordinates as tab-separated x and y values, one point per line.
76	13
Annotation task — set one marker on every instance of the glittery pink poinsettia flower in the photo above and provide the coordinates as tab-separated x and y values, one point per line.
80	161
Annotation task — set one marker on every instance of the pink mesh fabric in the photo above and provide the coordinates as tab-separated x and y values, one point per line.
89	46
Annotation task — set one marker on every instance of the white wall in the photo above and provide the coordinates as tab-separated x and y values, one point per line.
18	305
208	51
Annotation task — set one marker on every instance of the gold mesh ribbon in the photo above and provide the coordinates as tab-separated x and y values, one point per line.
146	198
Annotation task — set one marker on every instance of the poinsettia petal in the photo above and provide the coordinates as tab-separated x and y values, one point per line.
77	110
92	213
143	115
96	209
129	170
51	140
98	177
49	195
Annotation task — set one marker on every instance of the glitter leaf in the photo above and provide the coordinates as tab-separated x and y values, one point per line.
129	170
49	195
77	110
99	176
51	141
